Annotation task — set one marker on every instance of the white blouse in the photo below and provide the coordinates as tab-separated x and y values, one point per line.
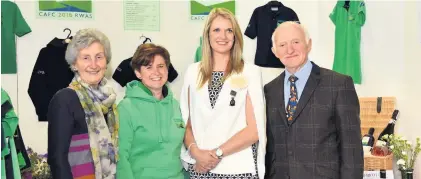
214	126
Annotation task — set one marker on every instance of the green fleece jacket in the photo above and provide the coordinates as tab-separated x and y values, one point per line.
150	135
10	121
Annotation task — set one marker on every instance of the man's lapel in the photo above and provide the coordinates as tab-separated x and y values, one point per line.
311	85
281	98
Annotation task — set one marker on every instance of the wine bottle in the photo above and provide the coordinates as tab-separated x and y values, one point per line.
390	128
368	140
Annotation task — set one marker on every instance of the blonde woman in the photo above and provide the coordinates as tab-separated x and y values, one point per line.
222	104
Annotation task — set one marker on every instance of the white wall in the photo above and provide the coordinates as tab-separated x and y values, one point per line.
411	88
391	50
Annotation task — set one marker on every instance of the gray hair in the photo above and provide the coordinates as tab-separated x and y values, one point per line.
291	23
83	39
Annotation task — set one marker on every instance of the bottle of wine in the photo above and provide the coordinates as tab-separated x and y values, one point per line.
390	128
368	141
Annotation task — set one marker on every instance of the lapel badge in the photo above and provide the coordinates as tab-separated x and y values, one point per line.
232	93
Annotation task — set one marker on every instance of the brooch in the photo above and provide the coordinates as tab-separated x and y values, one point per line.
232	93
237	82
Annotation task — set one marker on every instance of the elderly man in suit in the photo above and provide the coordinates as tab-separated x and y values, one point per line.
313	124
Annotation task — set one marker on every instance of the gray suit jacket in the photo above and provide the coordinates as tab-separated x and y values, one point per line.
323	141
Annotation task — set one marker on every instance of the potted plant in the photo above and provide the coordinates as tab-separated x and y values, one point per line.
405	153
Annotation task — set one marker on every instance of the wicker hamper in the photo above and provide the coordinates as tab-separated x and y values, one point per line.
371	117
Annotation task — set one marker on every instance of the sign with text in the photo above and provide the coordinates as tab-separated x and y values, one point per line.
199	9
377	174
141	15
65	9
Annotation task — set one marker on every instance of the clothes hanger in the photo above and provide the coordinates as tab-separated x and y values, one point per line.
142	36
346	5
67	40
146	39
274	5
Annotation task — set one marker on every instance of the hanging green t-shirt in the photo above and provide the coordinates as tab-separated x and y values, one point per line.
348	37
198	55
12	23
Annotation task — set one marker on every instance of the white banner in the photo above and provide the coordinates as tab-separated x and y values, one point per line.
376	174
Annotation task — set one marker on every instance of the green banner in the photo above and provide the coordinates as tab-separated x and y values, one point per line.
199	9
65	9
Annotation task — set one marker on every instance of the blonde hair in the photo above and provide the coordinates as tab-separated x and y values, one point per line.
236	63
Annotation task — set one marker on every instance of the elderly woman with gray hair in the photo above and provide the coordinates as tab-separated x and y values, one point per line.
83	124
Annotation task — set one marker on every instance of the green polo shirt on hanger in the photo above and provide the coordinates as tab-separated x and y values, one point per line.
198	54
12	23
348	24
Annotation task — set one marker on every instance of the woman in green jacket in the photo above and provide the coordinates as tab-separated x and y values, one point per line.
151	128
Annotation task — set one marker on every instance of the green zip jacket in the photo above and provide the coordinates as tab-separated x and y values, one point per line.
150	136
10	122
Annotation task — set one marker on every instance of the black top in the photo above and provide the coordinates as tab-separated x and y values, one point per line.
66	117
124	73
262	24
50	74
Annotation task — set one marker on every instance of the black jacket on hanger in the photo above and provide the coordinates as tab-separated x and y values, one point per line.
263	23
50	74
125	74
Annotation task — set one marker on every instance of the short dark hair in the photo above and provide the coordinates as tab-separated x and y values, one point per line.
145	54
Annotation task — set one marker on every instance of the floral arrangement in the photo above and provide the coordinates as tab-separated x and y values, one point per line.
403	150
39	167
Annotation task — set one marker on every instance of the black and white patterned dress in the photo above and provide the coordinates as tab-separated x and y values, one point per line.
214	89
215	86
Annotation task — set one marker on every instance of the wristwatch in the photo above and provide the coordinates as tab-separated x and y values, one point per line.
219	153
